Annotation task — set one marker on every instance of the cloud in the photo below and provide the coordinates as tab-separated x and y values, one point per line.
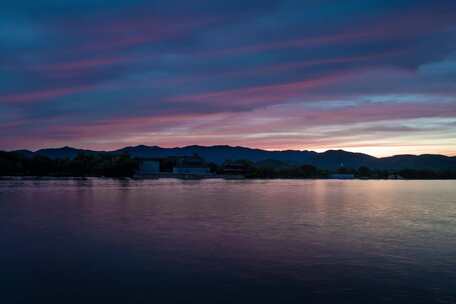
34	96
241	72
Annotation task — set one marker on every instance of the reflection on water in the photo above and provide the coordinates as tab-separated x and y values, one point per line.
215	241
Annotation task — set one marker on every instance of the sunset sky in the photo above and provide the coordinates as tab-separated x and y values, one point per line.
370	76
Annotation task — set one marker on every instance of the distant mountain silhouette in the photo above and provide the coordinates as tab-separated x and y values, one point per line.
65	152
331	159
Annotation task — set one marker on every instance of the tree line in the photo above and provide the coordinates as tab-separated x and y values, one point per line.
110	165
252	170
97	165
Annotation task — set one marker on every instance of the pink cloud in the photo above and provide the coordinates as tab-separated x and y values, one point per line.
295	65
45	94
128	125
401	25
263	95
82	65
278	127
124	33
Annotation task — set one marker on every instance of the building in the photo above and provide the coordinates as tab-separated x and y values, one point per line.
191	165
343	173
342	176
236	168
395	176
148	167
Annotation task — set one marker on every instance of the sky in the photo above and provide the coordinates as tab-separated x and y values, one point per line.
369	76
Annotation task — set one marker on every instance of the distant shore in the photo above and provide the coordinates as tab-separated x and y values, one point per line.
332	165
187	177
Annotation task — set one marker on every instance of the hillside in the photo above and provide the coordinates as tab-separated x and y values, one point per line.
331	159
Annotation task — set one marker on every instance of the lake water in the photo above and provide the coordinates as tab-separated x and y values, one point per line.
216	241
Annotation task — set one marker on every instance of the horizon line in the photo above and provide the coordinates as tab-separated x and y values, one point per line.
225	145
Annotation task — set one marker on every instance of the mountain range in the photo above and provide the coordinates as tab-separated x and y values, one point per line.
331	159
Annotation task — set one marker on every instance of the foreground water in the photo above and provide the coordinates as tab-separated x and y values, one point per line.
215	241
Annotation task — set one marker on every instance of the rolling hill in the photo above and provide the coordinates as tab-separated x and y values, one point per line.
330	159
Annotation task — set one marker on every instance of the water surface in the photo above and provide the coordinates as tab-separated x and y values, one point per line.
216	241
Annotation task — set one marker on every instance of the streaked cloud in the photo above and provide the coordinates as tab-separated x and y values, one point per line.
274	74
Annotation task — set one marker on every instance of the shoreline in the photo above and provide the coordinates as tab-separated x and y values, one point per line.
188	177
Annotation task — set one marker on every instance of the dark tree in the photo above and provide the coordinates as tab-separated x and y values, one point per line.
364	171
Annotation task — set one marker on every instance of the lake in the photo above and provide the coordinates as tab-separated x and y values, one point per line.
218	241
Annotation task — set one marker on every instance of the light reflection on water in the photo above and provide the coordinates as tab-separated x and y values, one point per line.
217	241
